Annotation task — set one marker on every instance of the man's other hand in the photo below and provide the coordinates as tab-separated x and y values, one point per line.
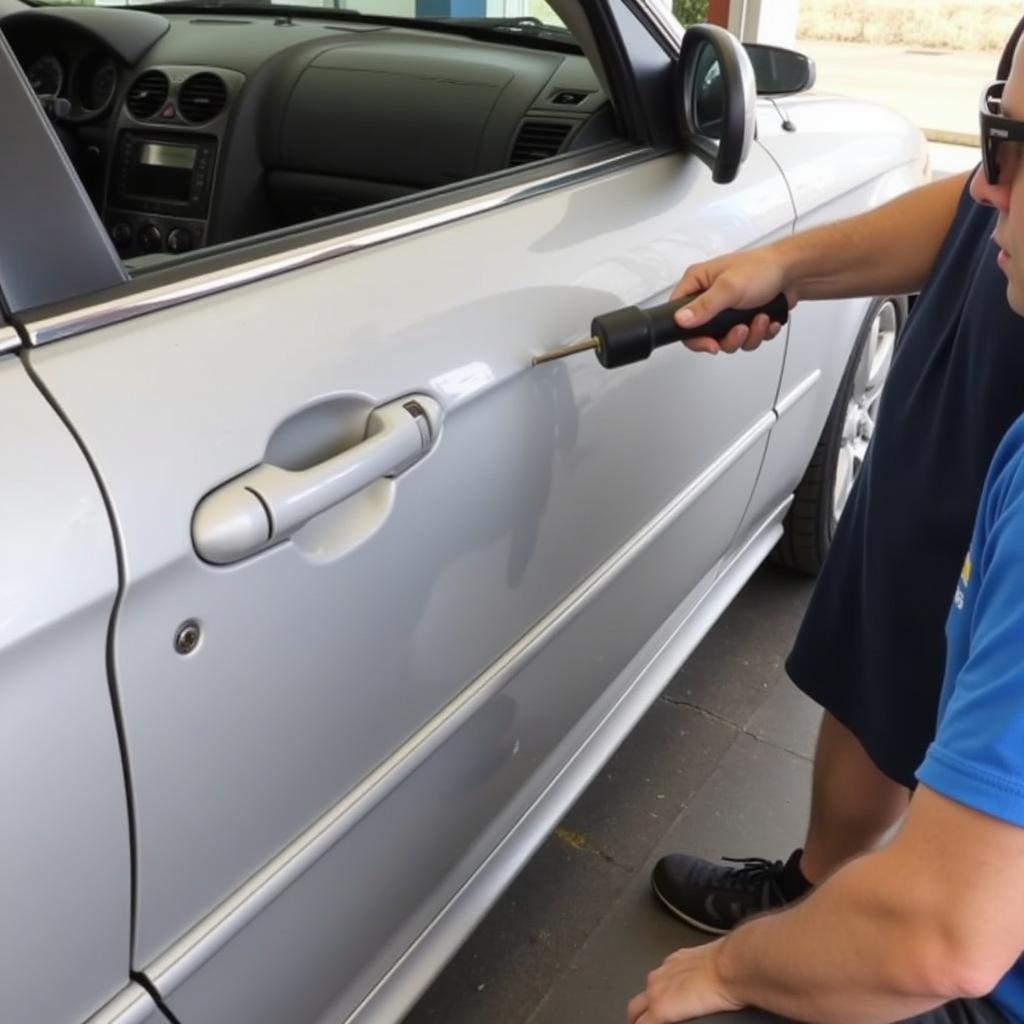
685	986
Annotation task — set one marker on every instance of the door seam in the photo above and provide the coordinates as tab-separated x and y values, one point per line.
115	699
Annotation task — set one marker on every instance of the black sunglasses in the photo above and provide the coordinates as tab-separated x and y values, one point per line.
997	132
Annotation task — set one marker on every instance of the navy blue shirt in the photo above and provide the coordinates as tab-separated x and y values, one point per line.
871	648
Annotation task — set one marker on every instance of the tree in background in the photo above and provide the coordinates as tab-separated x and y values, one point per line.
689	12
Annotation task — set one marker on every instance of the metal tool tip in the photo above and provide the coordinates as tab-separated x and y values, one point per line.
568	350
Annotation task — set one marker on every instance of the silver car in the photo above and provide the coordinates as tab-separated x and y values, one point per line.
321	603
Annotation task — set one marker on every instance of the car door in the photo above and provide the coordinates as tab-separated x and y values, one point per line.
332	716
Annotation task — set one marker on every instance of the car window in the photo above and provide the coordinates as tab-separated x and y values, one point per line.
516	13
187	138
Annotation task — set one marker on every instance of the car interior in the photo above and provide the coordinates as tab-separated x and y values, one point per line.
193	124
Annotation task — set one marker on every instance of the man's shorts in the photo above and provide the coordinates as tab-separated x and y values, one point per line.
871	648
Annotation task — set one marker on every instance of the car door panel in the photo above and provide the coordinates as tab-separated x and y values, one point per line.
64	861
389	865
321	656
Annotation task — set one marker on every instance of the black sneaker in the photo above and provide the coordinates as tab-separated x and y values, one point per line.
715	899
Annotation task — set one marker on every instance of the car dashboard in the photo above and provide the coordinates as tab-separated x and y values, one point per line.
202	126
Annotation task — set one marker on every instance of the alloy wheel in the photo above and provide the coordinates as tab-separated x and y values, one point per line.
862	407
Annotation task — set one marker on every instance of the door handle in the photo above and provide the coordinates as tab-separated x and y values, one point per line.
268	504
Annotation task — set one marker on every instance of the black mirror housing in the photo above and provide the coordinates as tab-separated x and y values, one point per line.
778	71
715	81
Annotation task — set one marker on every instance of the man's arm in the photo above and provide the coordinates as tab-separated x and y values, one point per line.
886	251
936	915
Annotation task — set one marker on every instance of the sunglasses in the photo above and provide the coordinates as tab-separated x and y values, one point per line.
1000	136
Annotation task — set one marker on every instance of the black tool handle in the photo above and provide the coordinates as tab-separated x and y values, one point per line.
628	335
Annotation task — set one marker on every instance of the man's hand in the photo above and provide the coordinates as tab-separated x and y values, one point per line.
739	280
685	986
887	251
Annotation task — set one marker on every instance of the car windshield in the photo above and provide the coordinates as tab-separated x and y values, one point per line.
513	16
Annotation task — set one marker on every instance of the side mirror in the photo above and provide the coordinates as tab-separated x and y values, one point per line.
779	72
715	81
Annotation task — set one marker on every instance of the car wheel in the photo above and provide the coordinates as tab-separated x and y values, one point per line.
823	492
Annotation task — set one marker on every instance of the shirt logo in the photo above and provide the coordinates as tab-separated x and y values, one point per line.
965	580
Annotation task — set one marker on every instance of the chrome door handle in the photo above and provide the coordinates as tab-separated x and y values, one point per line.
267	504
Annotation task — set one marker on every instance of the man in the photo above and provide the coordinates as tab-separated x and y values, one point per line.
871	648
931	927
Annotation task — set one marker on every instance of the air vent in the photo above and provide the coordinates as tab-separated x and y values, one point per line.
147	94
202	97
537	140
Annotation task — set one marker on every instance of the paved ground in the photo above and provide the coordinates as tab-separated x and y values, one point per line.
938	90
719	765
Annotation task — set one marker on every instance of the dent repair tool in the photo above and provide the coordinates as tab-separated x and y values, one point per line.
628	335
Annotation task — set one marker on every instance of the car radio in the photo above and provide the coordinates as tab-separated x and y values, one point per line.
168	174
160	186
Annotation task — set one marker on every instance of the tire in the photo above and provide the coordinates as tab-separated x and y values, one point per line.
822	493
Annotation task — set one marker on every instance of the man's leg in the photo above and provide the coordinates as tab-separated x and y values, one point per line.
853	804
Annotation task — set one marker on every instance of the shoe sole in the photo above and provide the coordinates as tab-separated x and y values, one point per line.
699	925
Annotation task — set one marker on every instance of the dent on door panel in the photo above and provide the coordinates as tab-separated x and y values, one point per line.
65	879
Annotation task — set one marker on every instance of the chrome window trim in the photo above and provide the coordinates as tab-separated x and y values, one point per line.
202	942
9	340
92	315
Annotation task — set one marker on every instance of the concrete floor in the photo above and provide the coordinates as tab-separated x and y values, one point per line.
720	765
